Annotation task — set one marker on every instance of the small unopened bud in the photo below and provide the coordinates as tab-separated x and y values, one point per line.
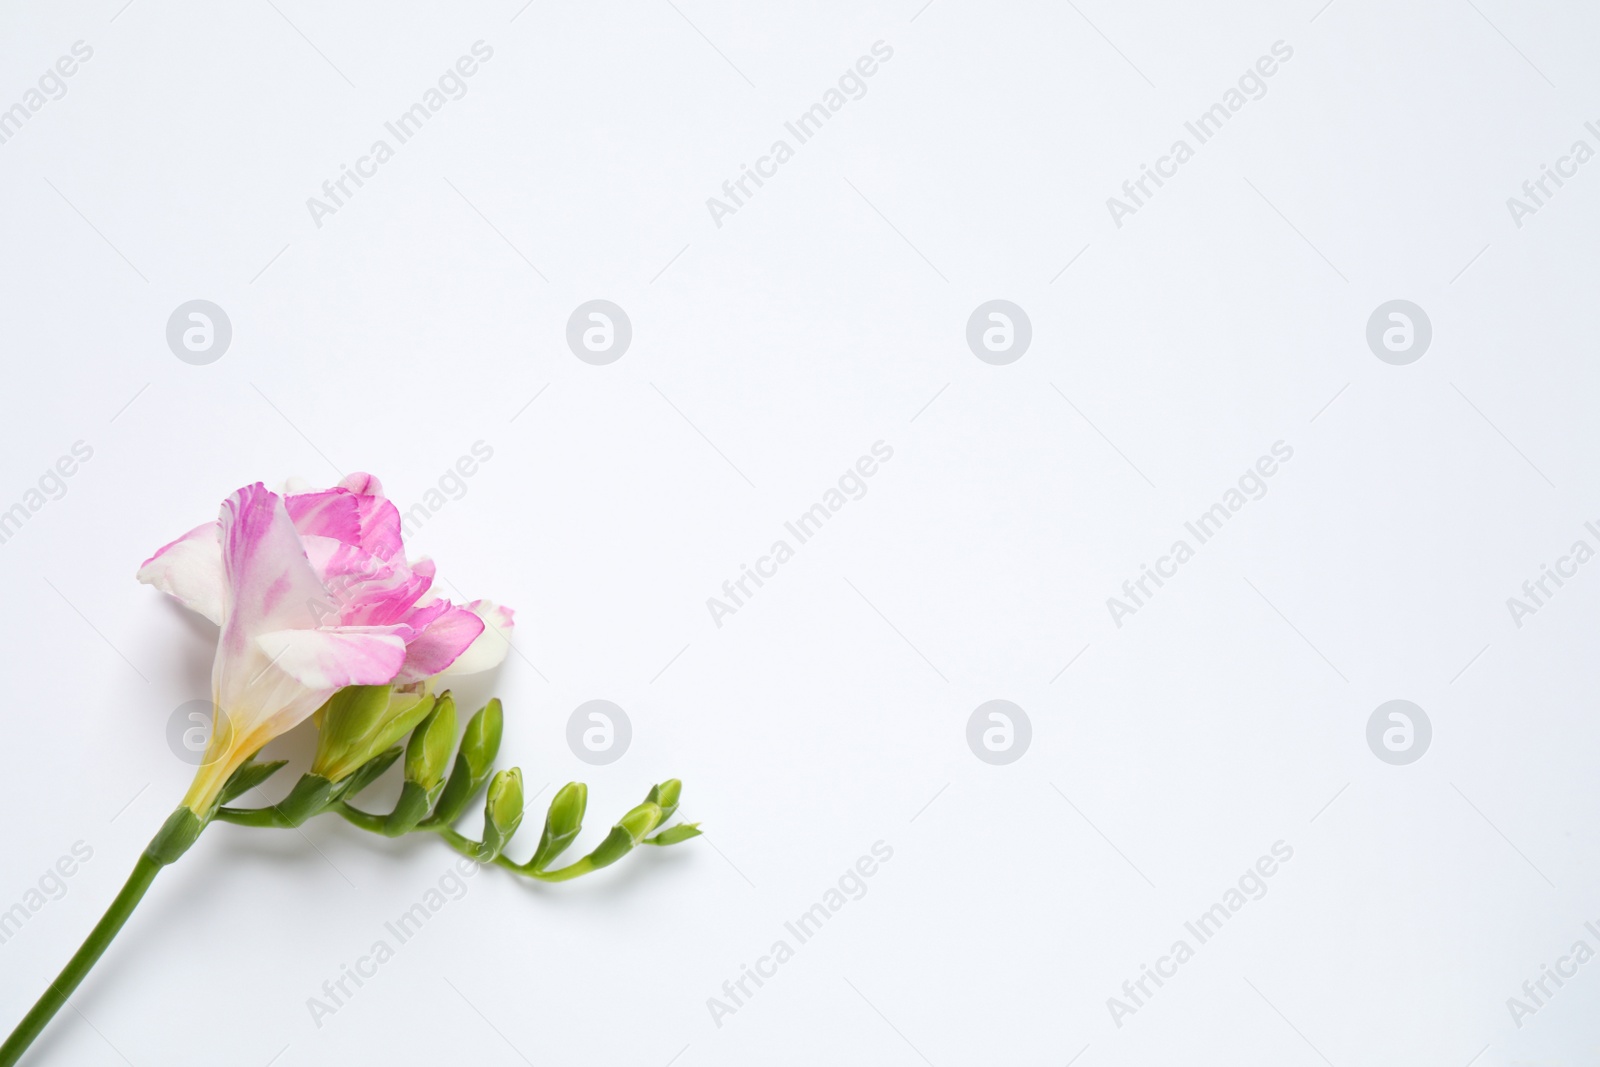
561	824
502	813
666	795
481	742
427	759
629	831
474	760
432	744
360	722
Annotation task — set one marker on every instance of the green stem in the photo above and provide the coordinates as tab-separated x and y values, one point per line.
171	841
462	844
99	939
469	848
267	817
364	819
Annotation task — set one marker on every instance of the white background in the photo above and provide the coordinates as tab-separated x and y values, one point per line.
769	353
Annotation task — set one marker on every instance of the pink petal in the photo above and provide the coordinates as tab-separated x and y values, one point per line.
440	645
333	659
270	583
369	522
190	569
362	484
491	646
365	589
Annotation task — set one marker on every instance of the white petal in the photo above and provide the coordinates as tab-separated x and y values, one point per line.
190	569
491	646
333	659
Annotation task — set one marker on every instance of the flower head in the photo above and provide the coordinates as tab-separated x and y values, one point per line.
313	593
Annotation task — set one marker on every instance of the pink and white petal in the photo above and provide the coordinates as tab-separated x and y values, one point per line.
362	588
370	522
270	583
333	659
489	650
190	569
380	520
381	532
340	563
422	615
441	644
362	484
331	513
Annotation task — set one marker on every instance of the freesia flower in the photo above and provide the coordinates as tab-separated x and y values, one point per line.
322	614
313	593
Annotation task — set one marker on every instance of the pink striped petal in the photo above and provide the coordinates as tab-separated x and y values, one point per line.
491	646
332	659
270	583
370	522
362	484
440	645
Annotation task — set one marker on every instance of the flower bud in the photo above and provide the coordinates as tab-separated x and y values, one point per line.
360	722
427	759
502	813
561	824
481	742
629	831
666	795
432	744
474	760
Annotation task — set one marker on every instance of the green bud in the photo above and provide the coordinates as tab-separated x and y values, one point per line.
359	722
641	820
630	829
474	761
502	813
666	795
481	742
561	824
432	744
